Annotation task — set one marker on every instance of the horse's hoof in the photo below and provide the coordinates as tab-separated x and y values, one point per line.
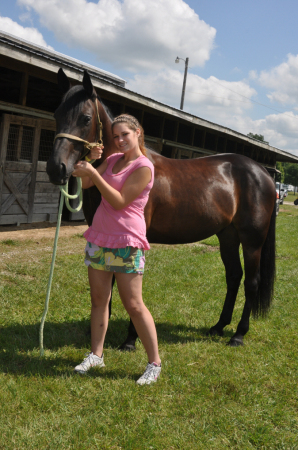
126	347
234	342
214	332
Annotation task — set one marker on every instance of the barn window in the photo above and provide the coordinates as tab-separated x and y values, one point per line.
198	138
221	144
114	108
184	134
20	143
169	130
152	125
46	144
137	113
231	146
43	95
210	141
10	82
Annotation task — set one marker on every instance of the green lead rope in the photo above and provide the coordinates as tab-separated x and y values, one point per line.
64	195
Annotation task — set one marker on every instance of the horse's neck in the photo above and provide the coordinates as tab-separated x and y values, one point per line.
108	141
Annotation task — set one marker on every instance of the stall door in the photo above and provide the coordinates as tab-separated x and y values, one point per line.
26	195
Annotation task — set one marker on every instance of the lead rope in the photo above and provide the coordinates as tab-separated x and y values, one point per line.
65	195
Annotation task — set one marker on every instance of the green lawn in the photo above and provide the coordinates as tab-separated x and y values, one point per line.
209	396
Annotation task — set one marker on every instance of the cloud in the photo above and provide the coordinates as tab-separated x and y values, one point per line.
280	130
221	102
282	81
209	98
136	35
29	34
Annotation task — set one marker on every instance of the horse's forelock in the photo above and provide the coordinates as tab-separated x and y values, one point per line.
73	101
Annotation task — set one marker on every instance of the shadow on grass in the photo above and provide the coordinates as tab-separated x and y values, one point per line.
17	341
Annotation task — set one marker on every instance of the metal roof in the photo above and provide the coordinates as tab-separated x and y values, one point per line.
56	58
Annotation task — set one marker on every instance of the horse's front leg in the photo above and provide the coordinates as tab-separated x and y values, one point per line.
229	249
130	342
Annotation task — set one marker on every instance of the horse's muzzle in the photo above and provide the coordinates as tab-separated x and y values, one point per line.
57	172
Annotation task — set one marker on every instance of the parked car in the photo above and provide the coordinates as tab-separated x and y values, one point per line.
282	195
277	203
280	192
284	187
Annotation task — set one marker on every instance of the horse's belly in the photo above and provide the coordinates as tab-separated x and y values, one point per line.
172	233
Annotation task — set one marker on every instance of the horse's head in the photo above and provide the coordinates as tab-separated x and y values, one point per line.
77	117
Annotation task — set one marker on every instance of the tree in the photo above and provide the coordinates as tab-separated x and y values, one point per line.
291	174
280	167
259	137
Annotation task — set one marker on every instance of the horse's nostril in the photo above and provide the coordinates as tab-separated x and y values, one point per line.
63	170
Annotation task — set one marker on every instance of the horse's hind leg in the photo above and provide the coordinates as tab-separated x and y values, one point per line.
229	249
252	258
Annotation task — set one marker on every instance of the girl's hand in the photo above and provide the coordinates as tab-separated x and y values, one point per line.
95	153
83	169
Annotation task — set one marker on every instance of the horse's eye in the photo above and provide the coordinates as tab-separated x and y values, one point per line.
87	120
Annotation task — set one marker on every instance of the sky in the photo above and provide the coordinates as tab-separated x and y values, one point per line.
243	56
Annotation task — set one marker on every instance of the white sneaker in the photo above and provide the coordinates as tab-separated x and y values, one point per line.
150	375
91	360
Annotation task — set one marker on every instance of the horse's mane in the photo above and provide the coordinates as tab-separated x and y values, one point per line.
107	110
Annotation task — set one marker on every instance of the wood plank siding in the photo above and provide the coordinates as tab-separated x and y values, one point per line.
23	178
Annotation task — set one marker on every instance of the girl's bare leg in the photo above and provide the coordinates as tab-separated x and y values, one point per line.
100	290
130	290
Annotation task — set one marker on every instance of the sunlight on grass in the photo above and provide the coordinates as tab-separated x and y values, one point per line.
209	396
9	242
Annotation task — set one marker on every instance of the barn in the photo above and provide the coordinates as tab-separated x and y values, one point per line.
29	95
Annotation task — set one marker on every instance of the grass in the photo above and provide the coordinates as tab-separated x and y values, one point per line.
291	197
209	396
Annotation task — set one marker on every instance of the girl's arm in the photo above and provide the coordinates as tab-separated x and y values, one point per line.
132	188
95	153
87	180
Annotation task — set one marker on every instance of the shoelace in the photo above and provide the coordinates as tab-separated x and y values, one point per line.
148	371
88	355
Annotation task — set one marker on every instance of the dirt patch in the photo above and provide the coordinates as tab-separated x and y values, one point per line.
290	203
41	230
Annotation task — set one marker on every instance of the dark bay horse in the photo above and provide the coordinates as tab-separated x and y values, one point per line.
228	195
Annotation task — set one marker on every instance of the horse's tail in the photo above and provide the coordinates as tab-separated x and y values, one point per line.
267	272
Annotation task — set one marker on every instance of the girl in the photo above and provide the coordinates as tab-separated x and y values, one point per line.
116	240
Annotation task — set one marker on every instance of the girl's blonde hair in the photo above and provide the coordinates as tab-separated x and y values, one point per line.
133	124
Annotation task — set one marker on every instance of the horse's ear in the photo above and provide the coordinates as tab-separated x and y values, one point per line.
63	81
88	86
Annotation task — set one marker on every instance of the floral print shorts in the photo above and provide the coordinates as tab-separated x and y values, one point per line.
125	260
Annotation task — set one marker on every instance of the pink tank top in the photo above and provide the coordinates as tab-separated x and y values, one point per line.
125	227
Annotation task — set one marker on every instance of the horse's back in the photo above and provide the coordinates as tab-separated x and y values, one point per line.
196	198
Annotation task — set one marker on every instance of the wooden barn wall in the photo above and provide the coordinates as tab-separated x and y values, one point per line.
26	195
